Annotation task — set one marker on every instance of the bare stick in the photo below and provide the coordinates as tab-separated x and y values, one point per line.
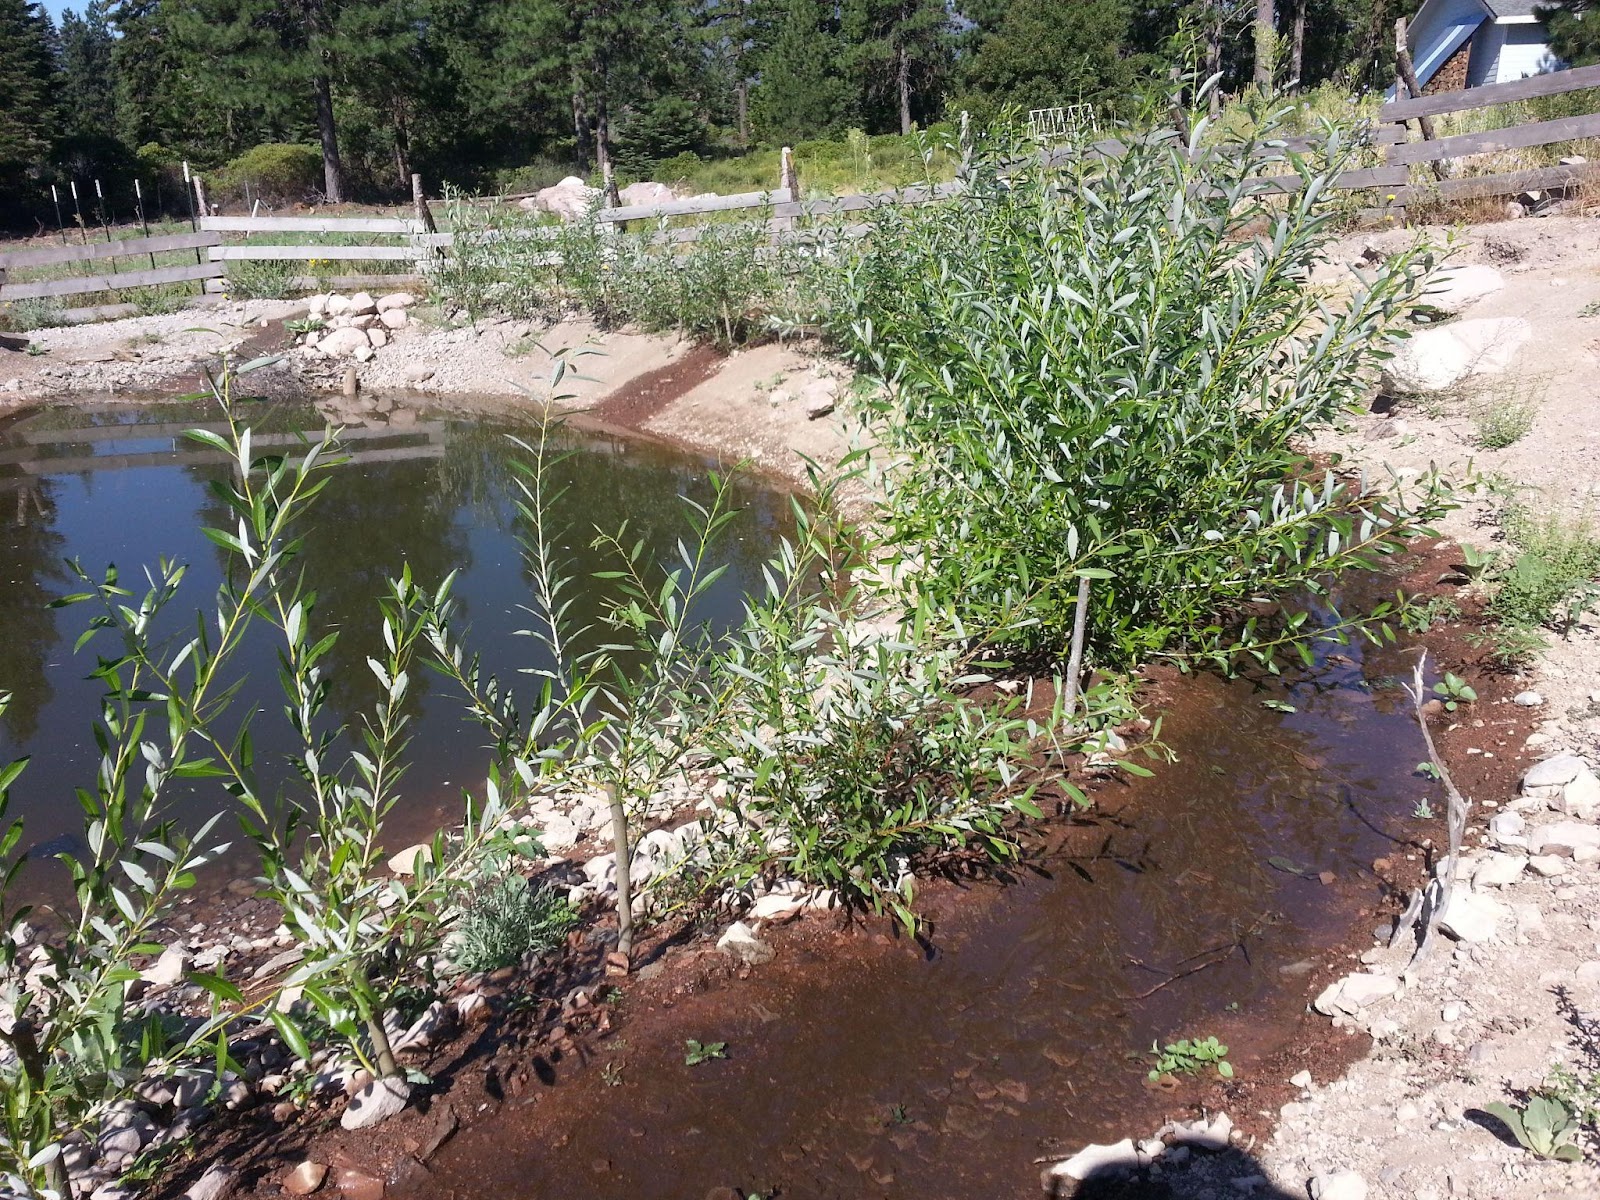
624	856
1426	906
1080	621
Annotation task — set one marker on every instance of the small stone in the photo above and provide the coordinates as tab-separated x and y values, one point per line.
378	336
1547	865
1471	918
1450	1013
1580	798
1553	772
166	970
1339	1185
1528	699
1213	1135
358	1185
1096	1161
395	302
740	941
378	1101
393	318
1497	870
1301	1079
213	1185
305	1178
415	376
362	304
1563	838
404	862
1354	992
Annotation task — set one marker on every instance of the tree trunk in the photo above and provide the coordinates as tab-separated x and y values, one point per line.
624	859
1266	38
332	168
742	95
580	129
402	146
1214	53
902	80
1297	50
602	153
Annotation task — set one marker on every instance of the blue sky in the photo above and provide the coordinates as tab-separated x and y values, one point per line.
54	7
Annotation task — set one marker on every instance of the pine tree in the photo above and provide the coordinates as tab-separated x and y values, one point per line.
802	93
27	101
88	80
1574	31
1038	56
899	51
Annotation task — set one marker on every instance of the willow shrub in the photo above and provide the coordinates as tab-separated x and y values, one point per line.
1109	367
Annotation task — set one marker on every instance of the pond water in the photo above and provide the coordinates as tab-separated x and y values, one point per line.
1192	903
121	485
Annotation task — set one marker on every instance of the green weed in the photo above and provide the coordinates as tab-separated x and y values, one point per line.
261	279
24	316
1189	1057
507	920
696	1053
1454	691
1550	579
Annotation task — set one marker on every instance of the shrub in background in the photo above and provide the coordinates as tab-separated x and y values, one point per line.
1106	369
276	172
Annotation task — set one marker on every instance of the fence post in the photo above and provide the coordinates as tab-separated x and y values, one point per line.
420	204
788	192
1405	80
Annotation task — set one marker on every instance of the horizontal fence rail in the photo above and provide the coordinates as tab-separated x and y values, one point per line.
1552	83
79	285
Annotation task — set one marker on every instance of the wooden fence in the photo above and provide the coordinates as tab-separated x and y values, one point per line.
414	240
1432	150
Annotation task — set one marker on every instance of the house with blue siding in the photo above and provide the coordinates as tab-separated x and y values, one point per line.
1467	43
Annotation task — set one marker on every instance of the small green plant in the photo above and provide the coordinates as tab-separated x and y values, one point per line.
261	279
1189	1057
1551	579
37	349
1424	811
157	301
1429	770
1591	309
696	1053
1454	691
1545	1126
304	325
1502	421
24	316
1436	610
507	920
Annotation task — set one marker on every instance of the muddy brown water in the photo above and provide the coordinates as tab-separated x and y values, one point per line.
874	1066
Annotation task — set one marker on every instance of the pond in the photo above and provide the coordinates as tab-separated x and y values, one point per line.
121	485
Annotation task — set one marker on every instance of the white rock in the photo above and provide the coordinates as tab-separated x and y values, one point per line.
1563	838
1095	1161
418	375
393	318
740	941
336	305
1508	829
1468	917
1558	771
1497	870
1213	1135
1581	797
341	343
1354	992
362	304
366	353
1436	359
212	1185
1547	865
404	862
1528	699
378	336
571	199
435	1024
166	970
646	193
1301	1079
378	1101
1339	1185
559	833
395	301
1455	288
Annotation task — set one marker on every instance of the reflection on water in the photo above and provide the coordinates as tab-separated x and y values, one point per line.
123	486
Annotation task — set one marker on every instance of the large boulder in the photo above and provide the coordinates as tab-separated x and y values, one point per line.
342	343
1436	359
571	199
646	193
1456	288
